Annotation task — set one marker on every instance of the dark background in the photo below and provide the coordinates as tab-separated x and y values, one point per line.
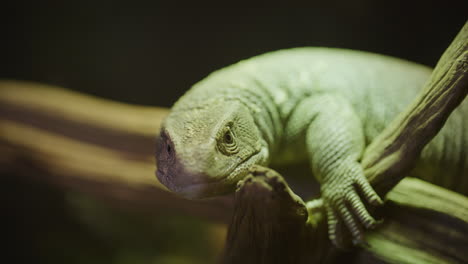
149	52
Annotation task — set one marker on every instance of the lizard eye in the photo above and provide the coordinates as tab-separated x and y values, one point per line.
227	143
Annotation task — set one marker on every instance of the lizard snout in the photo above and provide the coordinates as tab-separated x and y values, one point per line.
171	171
165	159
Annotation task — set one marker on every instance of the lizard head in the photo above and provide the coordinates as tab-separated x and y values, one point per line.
204	151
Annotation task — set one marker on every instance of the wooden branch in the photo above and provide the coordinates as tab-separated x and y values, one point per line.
269	224
90	145
423	224
394	152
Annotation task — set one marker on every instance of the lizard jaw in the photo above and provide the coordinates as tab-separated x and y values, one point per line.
222	185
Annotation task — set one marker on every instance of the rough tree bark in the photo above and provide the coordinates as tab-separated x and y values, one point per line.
272	225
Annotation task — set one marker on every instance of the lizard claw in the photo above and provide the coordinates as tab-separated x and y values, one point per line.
346	209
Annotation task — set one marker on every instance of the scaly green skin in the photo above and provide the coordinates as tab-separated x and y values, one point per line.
315	104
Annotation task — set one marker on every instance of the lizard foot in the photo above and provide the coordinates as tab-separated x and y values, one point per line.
345	209
265	180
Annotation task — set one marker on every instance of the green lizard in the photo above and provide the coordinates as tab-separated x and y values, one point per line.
319	105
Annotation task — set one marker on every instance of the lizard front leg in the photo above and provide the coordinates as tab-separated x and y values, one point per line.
335	142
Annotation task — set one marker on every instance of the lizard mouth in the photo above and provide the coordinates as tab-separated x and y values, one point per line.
223	184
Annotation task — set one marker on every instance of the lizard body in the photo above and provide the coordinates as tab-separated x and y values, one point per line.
319	105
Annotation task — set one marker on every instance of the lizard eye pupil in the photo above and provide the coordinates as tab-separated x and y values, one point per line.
228	137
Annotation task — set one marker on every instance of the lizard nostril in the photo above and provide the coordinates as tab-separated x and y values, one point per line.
169	149
165	149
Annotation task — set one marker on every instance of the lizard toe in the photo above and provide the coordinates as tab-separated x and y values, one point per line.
353	227
359	210
332	220
368	192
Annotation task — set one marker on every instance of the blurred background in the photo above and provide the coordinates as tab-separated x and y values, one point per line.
150	53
